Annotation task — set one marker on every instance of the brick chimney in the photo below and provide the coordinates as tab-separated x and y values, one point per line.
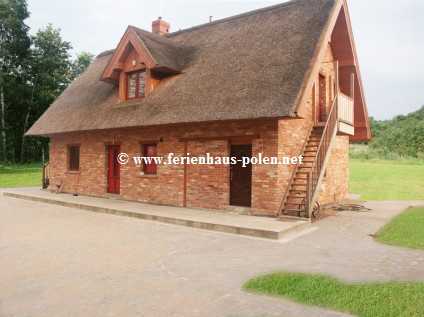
160	26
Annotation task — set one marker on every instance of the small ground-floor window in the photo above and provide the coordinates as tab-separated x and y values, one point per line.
74	157
150	151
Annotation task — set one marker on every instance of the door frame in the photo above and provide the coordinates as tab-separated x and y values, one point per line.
109	146
320	109
241	141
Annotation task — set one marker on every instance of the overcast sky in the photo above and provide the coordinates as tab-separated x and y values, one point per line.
389	36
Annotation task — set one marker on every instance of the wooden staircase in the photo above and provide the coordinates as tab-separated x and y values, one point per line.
303	188
295	202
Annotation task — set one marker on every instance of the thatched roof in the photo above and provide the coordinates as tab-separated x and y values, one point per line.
165	52
253	65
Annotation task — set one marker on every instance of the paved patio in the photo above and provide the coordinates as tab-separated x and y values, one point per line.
60	261
263	227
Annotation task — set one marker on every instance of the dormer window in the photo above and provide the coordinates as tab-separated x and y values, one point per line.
136	85
141	62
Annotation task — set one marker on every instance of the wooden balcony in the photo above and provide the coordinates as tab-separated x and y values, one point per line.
345	114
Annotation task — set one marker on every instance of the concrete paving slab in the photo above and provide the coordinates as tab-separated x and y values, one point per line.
262	227
60	261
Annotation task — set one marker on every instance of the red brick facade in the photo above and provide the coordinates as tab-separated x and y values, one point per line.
207	186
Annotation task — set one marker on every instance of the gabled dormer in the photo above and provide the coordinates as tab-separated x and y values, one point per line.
142	60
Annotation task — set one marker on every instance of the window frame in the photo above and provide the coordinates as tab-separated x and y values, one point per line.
137	83
145	149
71	166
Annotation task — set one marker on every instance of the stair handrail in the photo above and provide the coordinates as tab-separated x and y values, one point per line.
311	127
314	175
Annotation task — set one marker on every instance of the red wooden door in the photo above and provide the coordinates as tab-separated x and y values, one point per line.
113	171
322	101
241	177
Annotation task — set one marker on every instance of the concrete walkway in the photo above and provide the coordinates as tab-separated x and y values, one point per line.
60	261
263	227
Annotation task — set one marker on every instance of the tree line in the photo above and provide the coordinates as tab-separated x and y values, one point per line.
34	70
402	136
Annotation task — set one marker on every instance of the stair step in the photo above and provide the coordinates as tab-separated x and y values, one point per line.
310	151
288	218
294	203
300	178
293	184
290	210
297	190
296	196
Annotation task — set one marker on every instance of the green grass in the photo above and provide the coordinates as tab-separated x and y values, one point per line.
364	300
20	175
405	230
387	180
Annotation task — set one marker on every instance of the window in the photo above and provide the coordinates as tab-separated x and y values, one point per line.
74	157
150	150
136	85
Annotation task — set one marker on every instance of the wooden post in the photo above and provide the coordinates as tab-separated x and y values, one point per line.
43	178
185	175
336	66
308	195
352	84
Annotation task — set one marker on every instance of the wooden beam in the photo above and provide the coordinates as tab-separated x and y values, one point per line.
218	138
336	66
185	175
347	62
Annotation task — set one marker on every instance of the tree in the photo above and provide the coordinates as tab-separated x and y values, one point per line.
48	75
80	64
14	48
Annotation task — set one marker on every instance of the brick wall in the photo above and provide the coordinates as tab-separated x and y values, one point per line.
207	185
336	180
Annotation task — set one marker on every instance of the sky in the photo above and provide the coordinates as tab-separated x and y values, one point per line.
389	36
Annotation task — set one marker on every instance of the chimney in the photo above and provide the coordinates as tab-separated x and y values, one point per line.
160	26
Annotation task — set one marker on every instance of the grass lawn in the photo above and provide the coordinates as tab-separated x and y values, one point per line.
363	300
386	180
405	230
21	175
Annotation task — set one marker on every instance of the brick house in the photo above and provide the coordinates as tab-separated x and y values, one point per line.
282	81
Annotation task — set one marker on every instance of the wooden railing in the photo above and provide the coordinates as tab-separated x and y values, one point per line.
46	176
316	173
345	108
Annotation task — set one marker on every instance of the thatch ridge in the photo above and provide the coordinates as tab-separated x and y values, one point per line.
235	17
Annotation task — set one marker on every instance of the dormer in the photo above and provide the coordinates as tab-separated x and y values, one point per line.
142	60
